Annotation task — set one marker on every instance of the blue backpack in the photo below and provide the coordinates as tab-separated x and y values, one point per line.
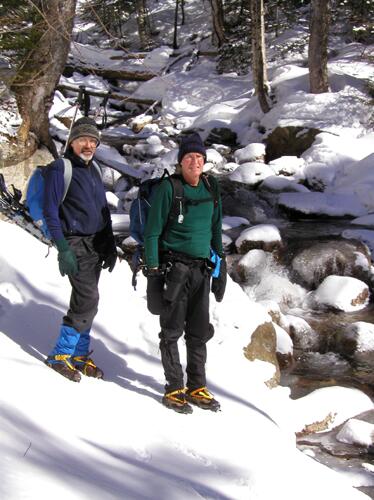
35	192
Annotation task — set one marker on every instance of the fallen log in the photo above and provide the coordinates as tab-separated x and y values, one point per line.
112	74
112	95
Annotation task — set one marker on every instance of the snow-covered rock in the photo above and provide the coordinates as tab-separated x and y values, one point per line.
315	262
356	341
288	165
254	152
356	432
302	334
263	236
251	265
331	204
342	293
251	173
281	184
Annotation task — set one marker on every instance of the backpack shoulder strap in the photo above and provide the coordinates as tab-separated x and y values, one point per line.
68	173
98	168
211	184
176	208
178	193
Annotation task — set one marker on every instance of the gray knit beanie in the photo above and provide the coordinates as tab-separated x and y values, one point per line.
84	127
191	144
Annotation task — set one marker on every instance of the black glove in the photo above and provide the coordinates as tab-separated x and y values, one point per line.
110	253
219	283
110	261
67	260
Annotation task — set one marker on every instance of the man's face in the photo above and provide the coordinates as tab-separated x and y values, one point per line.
192	167
84	147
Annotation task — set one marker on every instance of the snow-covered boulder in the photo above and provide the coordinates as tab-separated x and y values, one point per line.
357	432
251	265
356	341
277	184
251	173
319	175
302	334
288	165
317	204
215	158
342	293
263	236
254	152
313	264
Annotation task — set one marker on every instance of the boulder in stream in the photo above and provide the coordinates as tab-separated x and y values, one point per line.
342	293
263	236
356	341
311	265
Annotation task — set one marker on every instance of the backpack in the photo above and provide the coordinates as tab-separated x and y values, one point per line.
139	209
35	192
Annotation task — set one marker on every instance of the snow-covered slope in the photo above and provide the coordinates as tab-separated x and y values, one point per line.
113	439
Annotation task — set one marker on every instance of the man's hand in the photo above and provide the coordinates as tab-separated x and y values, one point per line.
67	260
219	283
110	261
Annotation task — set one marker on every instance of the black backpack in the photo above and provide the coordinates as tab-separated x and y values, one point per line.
139	209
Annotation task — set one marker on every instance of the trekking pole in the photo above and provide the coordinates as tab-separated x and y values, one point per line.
77	106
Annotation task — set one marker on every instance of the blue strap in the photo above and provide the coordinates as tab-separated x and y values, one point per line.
216	259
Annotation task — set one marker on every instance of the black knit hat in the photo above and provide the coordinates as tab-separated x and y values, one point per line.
191	144
84	126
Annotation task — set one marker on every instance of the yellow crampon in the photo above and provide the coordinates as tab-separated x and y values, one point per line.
201	393
203	398
65	358
84	362
172	396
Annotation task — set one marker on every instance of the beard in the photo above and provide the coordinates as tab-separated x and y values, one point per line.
86	156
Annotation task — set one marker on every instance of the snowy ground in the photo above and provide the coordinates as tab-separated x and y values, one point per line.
112	438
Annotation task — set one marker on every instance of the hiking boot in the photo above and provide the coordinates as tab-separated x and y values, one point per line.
86	366
203	399
61	363
176	401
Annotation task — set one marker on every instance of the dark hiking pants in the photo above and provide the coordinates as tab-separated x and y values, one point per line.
84	297
189	313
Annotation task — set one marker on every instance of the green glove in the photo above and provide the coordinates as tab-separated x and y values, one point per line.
67	260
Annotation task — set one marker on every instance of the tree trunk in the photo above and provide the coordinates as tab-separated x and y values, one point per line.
218	23
175	35
318	39
38	76
259	53
144	25
183	13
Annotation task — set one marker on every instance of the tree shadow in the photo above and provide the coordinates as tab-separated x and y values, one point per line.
99	471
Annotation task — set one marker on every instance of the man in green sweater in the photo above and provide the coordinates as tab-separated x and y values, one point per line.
182	244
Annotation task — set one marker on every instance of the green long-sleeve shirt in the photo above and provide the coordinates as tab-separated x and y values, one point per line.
200	230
